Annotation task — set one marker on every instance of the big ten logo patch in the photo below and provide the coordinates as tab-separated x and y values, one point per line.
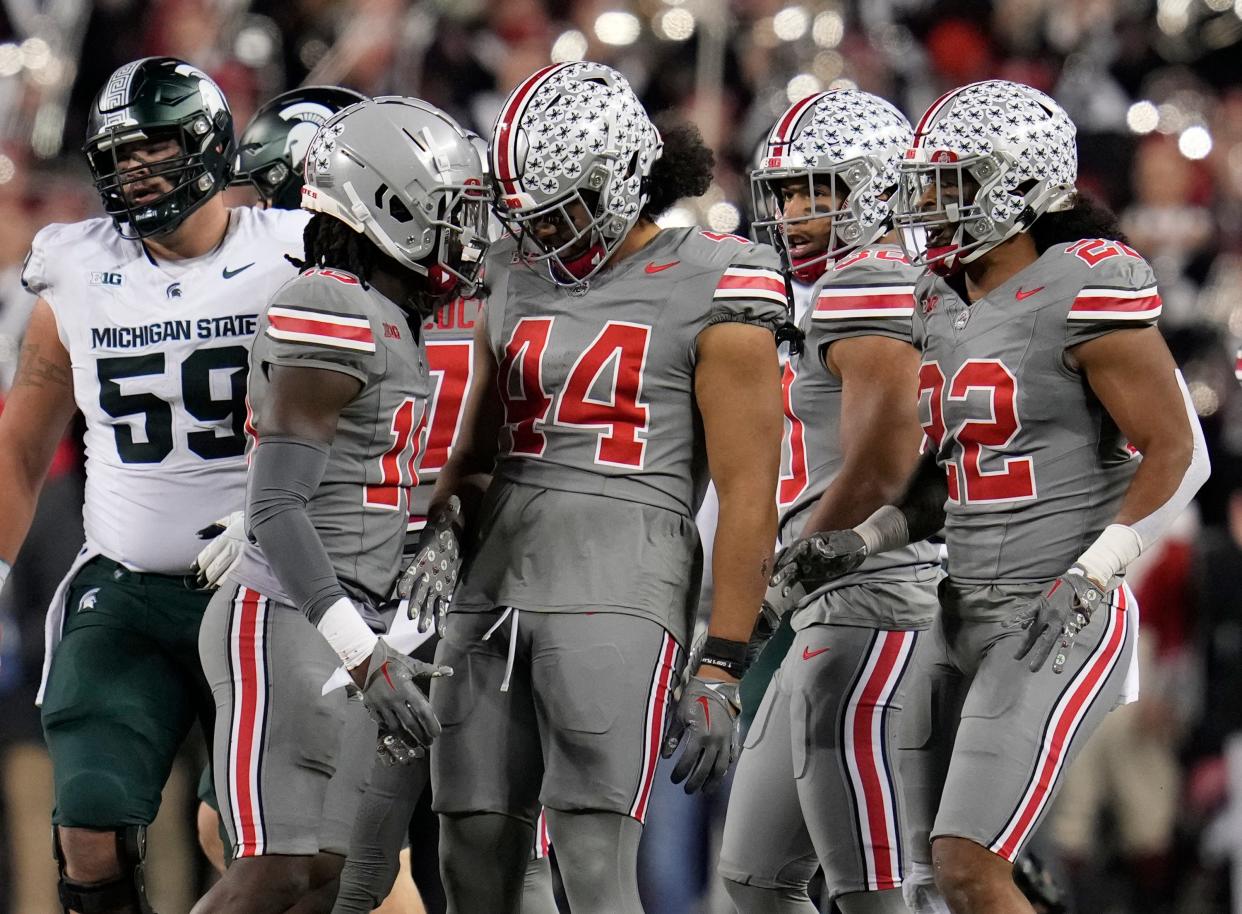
392	332
105	279
459	314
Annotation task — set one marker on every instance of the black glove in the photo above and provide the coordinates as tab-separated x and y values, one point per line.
395	702
707	719
1057	615
817	559
431	578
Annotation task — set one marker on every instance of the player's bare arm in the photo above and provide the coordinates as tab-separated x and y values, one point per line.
879	430
737	388
1133	374
36	412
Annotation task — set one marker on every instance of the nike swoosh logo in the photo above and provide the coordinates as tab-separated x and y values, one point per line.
807	653
1023	293
707	711
654	267
229	274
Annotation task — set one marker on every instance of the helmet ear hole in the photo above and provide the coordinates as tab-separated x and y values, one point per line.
398	210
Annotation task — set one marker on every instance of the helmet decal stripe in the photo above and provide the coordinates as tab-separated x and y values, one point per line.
504	144
783	131
930	114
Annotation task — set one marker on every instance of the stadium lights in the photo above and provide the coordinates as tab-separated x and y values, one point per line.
1142	117
10	59
617	27
676	216
828	29
1195	142
571	45
790	24
723	216
676	24
801	86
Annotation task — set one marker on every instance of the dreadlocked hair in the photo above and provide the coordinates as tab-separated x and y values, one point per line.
683	170
329	242
1086	218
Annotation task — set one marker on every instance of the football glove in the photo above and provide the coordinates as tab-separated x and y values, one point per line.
396	704
429	581
706	724
817	559
1056	617
225	539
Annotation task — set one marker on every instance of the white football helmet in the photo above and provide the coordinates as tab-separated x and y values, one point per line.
851	142
987	160
572	133
403	173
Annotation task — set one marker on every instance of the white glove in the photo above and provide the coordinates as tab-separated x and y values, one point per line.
225	540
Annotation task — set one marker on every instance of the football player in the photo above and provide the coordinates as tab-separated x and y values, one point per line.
614	363
269	158
1061	443
144	321
337	392
273	146
814	787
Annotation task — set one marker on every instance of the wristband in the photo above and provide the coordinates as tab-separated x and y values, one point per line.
1112	551
347	633
724	654
884	530
5	568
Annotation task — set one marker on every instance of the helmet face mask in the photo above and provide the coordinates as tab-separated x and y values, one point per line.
144	106
571	152
987	160
844	145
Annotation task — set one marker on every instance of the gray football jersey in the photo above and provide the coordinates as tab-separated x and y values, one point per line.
870	292
1036	467
327	319
601	436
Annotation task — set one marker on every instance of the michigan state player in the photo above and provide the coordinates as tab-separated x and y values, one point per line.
814	787
1061	444
337	391
144	322
614	361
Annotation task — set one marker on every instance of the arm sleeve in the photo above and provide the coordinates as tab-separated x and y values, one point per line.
1151	527
1118	293
284	474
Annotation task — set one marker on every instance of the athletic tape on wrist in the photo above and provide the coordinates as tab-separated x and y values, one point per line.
1112	551
347	633
5	568
884	530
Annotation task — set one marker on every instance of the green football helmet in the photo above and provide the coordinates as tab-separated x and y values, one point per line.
152	99
273	146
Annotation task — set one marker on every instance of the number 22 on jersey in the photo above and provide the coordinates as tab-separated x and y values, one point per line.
617	357
994	427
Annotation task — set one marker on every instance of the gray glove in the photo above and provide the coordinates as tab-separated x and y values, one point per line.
225	539
393	700
817	559
1056	616
429	580
707	719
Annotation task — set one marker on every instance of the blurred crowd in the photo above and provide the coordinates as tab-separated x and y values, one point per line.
1146	823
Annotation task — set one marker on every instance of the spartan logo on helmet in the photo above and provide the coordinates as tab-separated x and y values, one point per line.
272	149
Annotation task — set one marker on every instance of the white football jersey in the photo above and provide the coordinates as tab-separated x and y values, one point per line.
159	355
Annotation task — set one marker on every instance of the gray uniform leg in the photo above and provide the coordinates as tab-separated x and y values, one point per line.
483	859
383	817
537	894
767	858
598	856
